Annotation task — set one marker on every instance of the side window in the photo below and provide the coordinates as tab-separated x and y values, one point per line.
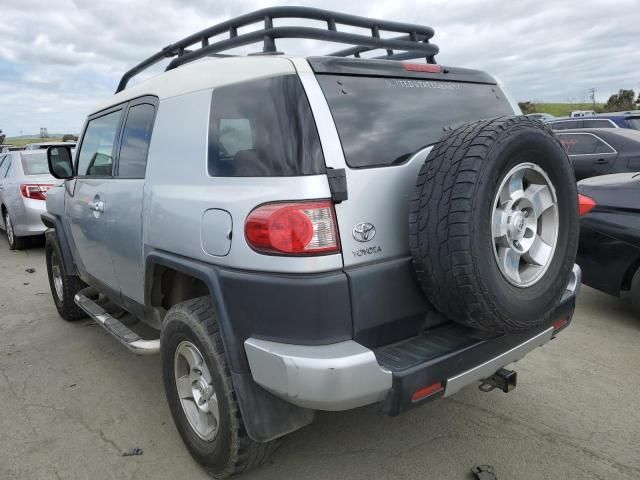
96	152
603	147
598	124
132	162
583	144
273	137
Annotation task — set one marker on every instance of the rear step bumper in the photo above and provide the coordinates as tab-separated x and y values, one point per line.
347	375
86	300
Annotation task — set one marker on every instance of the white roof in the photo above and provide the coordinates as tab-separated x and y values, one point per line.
202	75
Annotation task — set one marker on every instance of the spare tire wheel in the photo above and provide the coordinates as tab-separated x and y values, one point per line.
493	224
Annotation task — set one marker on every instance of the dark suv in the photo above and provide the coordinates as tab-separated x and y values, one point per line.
600	120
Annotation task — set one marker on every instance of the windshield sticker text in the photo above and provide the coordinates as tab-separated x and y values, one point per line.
405	83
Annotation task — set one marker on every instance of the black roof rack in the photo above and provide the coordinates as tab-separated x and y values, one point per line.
413	44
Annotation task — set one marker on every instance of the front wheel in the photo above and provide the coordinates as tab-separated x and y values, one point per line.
200	393
63	287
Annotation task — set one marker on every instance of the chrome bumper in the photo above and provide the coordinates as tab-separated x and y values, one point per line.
346	375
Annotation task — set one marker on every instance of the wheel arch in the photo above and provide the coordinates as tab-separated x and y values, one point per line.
628	276
55	232
266	416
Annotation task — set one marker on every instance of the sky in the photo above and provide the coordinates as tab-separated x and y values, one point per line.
58	58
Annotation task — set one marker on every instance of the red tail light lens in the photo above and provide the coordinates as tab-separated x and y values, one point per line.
585	204
293	228
34	191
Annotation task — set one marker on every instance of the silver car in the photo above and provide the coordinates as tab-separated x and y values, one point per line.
45	145
24	181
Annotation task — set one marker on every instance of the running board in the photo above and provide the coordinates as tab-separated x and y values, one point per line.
85	299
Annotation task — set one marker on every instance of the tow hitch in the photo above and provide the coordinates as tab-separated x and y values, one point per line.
503	379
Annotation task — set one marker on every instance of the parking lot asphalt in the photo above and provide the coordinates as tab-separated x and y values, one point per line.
73	399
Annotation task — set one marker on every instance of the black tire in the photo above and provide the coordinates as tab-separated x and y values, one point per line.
450	224
15	242
635	292
71	284
231	451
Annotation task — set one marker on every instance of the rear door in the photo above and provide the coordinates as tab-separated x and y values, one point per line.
385	126
87	206
590	154
124	199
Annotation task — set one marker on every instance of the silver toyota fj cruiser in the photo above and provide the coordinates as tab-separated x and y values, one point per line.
315	233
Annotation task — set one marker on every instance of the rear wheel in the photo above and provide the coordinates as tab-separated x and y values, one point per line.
200	393
494	224
15	242
635	292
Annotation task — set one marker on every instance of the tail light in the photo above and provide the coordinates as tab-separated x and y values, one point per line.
422	67
34	191
585	204
293	228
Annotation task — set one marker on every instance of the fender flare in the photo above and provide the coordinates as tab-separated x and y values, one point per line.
266	416
56	231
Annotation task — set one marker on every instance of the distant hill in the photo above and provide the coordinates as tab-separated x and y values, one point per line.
25	139
36	135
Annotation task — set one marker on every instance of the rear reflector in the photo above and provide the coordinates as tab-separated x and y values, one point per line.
585	204
427	392
422	67
293	228
558	324
34	191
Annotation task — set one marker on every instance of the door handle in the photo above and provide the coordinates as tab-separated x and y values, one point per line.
601	161
96	206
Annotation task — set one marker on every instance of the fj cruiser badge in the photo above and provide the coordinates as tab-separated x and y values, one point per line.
363	232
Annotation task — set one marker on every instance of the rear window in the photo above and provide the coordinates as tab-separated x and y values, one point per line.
263	128
35	164
583	144
598	124
634	122
569	124
383	121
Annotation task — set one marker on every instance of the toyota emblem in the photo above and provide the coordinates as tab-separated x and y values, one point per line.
363	232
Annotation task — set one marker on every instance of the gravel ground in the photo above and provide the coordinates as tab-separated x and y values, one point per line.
73	399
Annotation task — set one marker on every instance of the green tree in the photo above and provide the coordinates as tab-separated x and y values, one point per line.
2	137
623	100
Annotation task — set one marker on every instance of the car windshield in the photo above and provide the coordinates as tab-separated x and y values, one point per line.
35	164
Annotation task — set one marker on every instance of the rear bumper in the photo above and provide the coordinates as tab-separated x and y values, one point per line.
27	220
347	375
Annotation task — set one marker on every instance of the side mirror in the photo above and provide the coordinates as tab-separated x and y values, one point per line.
60	162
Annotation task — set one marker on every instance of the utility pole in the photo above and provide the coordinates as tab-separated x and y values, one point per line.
592	92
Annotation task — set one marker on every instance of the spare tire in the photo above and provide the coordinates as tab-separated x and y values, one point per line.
493	224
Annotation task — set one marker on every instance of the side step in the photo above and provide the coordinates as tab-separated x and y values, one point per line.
87	299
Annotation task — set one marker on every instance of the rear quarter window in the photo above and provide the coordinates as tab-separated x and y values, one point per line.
263	128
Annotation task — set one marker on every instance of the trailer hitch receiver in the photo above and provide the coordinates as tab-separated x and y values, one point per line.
503	379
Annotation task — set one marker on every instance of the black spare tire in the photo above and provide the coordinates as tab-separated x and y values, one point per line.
493	224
